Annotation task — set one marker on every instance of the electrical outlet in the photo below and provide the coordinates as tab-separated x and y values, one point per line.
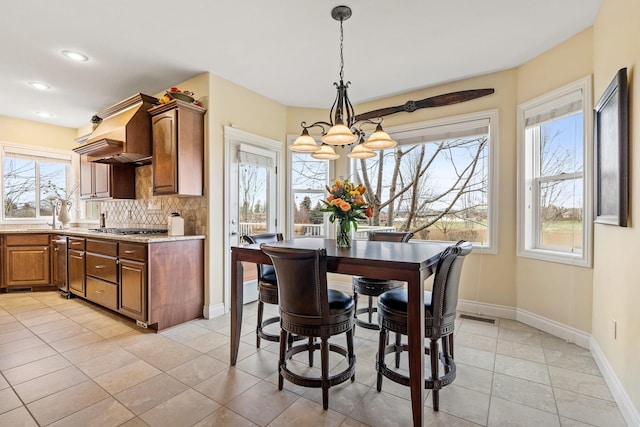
615	329
154	204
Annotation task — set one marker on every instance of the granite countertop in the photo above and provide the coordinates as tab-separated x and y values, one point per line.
86	232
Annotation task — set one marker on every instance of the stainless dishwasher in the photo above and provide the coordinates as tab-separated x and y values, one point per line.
59	260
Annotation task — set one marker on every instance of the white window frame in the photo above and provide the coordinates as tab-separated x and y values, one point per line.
528	228
38	154
446	127
291	192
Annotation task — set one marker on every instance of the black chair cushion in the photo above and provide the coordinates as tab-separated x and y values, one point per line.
396	300
339	301
270	277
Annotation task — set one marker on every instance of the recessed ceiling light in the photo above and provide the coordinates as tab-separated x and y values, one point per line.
76	56
44	114
40	85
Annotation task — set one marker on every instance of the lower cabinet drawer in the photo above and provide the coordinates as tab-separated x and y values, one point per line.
103	267
103	293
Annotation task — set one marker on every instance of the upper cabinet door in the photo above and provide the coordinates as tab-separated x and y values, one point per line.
178	148
86	178
101	178
165	156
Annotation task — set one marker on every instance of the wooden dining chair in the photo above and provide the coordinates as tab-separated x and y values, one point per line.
267	288
308	308
375	287
440	313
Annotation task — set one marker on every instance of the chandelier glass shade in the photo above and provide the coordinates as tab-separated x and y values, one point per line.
325	152
304	143
342	128
380	140
360	151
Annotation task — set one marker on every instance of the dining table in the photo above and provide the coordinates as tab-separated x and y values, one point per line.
412	262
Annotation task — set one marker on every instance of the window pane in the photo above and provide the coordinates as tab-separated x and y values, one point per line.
438	190
307	218
561	145
308	173
309	178
53	185
252	199
19	188
561	215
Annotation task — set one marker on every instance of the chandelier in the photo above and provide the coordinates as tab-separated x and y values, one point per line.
342	128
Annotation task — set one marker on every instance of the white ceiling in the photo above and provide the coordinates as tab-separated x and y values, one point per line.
286	50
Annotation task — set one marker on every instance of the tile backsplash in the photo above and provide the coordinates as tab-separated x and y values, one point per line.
152	211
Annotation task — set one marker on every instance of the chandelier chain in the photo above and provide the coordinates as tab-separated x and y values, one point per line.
341	55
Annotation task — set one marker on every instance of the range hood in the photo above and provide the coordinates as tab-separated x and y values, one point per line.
124	135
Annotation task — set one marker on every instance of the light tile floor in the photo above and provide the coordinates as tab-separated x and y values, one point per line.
71	363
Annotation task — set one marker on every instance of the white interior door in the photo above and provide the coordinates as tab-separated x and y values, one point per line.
252	199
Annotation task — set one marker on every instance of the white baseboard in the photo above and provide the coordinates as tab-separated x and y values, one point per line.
629	412
486	309
211	311
554	328
549	326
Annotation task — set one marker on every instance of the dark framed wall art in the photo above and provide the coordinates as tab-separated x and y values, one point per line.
611	146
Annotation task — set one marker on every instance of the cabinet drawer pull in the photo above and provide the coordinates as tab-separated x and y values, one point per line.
98	267
129	252
76	243
46	248
100	292
56	249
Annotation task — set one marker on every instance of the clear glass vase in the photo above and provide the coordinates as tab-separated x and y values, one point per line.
343	236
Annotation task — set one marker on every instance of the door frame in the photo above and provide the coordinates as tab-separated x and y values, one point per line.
231	136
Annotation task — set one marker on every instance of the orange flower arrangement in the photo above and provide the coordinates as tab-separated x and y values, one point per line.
346	204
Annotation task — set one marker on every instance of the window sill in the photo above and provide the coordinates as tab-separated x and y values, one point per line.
557	257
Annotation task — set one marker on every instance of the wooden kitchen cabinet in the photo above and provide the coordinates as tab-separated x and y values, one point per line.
104	181
101	272
27	260
133	281
178	148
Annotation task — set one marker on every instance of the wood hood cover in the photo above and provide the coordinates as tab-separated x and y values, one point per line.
124	135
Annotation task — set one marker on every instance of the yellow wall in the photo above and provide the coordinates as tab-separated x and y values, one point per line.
36	133
557	292
616	287
231	104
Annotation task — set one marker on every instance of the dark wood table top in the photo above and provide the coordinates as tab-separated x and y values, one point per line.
384	260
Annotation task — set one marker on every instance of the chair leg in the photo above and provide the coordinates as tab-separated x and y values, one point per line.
381	348
398	349
324	355
283	352
312	342
451	345
355	309
351	355
259	327
370	310
445	352
433	350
